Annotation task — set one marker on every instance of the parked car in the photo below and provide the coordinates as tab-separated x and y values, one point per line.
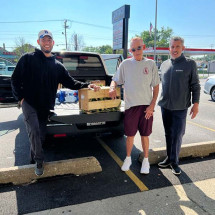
112	62
2	67
209	87
8	70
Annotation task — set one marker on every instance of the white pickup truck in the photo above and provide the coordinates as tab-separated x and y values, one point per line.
67	119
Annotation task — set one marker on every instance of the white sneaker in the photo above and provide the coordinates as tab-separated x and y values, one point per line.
126	165
145	167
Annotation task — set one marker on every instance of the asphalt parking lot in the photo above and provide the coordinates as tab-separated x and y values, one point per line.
73	190
111	182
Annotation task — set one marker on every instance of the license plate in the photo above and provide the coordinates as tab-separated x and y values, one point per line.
95	123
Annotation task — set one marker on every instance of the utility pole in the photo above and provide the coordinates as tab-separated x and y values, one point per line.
76	42
155	36
65	27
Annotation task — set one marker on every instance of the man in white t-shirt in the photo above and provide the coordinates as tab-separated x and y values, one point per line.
140	78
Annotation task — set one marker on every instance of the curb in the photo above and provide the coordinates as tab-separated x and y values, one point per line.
200	149
25	174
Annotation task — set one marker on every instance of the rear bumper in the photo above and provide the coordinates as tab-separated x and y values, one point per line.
74	125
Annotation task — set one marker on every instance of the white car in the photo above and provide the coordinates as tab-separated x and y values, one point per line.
8	70
209	87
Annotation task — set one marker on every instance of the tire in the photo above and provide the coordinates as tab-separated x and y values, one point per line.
213	94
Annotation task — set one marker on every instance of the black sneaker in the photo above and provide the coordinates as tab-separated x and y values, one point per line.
176	170
39	169
164	163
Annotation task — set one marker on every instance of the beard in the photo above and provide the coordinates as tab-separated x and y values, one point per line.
47	51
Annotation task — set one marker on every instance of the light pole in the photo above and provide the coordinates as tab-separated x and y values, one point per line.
155	35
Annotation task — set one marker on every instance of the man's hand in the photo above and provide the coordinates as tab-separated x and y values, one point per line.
194	110
112	92
19	105
95	87
149	111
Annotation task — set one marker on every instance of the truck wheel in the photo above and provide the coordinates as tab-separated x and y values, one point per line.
213	94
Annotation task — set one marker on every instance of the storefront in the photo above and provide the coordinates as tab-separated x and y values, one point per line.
7	57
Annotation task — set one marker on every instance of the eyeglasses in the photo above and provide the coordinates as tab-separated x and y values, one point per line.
138	48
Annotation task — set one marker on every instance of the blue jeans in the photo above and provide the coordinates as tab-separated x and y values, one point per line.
174	122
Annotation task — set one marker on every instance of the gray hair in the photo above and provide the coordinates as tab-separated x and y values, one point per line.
177	38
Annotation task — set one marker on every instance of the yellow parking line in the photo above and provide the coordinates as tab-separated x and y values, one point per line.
201	126
130	174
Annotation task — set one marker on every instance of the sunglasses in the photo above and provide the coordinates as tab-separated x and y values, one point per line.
138	48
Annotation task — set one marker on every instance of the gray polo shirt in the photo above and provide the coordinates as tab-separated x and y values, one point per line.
138	78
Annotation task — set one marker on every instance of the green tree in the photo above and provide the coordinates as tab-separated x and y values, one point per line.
90	49
22	47
162	38
205	58
105	49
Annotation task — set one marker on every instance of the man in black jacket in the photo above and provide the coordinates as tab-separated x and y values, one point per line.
179	79
34	83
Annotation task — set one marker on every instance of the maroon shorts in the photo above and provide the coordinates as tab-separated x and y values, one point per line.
135	120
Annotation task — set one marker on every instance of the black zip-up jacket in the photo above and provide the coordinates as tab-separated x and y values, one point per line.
179	80
36	78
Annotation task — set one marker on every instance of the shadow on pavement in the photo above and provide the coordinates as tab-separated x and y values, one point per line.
71	190
14	146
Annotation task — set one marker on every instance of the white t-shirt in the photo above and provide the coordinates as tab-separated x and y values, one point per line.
138	78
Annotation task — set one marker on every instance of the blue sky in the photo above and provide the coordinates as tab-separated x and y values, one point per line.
191	19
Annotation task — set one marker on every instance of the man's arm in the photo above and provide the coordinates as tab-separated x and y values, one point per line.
17	79
112	91
116	80
73	84
150	109
194	110
195	90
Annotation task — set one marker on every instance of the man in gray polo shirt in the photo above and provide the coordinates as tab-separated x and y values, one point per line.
140	78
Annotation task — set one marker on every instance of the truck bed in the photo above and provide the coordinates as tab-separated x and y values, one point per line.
69	113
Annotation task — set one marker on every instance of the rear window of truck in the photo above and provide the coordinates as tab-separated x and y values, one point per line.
82	65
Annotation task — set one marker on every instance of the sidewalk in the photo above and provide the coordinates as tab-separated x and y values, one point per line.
192	198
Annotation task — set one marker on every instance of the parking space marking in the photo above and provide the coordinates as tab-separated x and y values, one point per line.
201	126
129	173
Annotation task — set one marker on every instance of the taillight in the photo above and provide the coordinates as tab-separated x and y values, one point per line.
59	135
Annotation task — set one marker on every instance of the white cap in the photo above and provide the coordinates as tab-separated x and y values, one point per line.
44	33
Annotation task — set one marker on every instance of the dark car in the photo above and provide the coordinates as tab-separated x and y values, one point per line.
6	71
